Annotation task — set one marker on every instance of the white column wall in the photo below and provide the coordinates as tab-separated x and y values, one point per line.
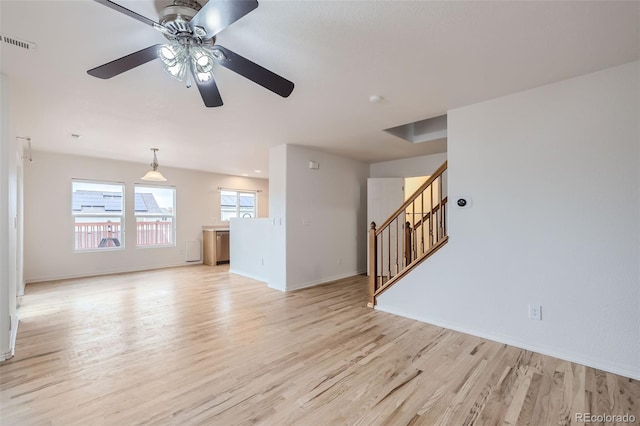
323	216
277	266
9	273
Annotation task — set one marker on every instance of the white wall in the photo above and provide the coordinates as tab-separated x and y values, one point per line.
408	167
277	266
249	245
326	211
9	272
325	215
554	177
49	227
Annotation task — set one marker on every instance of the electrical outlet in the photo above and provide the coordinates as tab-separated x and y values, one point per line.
535	312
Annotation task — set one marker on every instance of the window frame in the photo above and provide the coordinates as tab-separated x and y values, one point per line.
239	192
173	216
121	216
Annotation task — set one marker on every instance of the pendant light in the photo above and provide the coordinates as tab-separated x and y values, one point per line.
154	174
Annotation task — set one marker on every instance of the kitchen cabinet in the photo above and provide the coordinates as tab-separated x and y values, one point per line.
216	246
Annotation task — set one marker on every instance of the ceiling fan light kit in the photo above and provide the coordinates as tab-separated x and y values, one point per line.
191	30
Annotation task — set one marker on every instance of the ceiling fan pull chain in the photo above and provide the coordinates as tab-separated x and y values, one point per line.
189	74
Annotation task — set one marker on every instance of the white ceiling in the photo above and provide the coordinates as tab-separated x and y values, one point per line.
422	57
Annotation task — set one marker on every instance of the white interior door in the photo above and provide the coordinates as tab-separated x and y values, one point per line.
384	196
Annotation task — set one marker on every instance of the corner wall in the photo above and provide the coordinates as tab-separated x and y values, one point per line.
49	251
277	259
324	216
554	174
9	224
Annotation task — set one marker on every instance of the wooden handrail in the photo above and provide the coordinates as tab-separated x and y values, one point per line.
406	204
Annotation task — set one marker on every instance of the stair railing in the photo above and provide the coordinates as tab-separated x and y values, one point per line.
411	234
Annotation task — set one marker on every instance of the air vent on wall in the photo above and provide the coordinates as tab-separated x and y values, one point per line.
28	45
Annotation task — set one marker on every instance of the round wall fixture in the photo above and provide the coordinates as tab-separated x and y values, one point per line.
375	99
463	201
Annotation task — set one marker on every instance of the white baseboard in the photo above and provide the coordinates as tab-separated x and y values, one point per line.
315	283
244	274
276	288
324	281
572	357
14	335
108	272
12	342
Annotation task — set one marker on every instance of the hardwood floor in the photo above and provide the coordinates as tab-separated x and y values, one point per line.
197	345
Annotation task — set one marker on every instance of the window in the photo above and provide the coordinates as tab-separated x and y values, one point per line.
97	209
237	204
155	210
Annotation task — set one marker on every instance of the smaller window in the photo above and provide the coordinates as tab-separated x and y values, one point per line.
155	211
97	209
237	204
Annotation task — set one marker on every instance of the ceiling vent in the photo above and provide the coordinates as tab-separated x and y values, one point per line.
28	45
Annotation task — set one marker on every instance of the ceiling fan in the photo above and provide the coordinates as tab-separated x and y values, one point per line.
191	50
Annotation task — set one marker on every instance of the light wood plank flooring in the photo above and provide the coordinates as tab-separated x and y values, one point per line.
197	345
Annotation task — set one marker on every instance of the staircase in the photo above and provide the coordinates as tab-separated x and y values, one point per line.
409	236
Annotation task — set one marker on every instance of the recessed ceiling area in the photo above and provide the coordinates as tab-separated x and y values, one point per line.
421	131
422	58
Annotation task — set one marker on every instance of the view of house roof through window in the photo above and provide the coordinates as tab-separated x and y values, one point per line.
98	214
88	201
155	215
98	210
237	204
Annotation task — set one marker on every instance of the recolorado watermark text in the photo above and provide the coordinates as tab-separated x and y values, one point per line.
605	418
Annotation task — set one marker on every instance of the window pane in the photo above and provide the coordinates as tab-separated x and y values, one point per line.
247	200
237	204
97	232
154	231
96	198
154	208
154	201
97	209
228	215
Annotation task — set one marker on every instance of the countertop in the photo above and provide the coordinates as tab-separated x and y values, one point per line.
215	228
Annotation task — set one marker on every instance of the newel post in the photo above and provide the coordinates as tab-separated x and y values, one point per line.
373	273
407	244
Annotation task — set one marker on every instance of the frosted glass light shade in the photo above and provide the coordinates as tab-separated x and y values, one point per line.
154	175
174	59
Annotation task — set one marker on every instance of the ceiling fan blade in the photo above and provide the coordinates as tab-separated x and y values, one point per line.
134	15
118	66
254	72
217	15
209	92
